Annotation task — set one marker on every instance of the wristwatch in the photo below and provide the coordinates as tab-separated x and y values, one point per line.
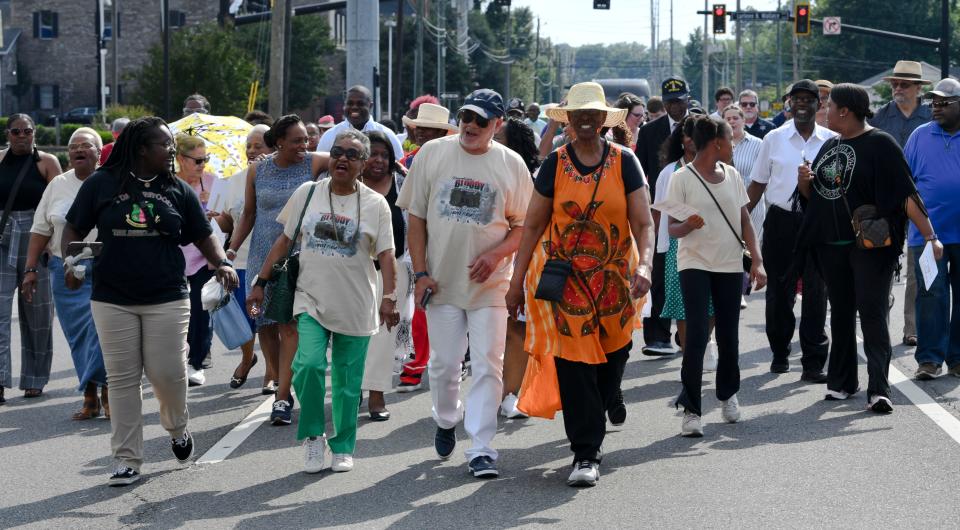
259	282
421	274
231	251
225	263
932	237
37	271
392	297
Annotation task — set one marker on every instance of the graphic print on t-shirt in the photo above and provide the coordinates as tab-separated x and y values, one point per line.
833	169
331	234
137	218
466	200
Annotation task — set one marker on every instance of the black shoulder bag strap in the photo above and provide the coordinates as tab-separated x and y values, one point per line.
16	189
593	196
722	214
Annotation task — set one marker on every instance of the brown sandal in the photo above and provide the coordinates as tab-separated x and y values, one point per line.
90	410
32	392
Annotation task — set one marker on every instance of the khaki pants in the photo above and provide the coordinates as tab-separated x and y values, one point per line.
140	339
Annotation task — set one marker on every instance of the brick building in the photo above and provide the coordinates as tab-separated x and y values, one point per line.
49	54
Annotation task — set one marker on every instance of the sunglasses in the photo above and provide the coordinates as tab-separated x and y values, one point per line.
79	147
352	154
902	84
27	131
198	161
943	103
188	111
637	114
468	116
748	103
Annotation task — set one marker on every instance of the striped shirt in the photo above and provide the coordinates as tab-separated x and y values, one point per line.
745	154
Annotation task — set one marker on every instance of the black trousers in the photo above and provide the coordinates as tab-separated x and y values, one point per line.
858	281
779	237
586	391
656	329
697	287
199	334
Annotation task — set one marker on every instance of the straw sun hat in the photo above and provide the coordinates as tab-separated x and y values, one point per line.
431	116
587	96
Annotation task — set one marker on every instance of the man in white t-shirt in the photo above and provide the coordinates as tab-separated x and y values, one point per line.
775	177
467	198
356	115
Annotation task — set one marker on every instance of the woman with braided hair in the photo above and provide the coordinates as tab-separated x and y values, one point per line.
143	213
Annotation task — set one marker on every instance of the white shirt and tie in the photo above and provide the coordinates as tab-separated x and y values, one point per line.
782	152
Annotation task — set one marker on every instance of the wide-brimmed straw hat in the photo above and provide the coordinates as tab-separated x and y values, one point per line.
908	71
587	96
431	116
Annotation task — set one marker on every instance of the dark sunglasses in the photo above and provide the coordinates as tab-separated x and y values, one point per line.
468	116
198	161
902	84
748	104
943	103
27	131
352	154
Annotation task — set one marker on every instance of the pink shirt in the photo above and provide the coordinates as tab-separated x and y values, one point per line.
191	254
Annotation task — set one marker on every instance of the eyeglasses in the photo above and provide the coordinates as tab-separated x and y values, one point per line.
352	154
79	147
200	110
198	161
27	131
943	103
902	84
807	99
748	103
468	116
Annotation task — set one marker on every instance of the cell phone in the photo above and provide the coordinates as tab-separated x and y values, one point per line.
426	298
74	248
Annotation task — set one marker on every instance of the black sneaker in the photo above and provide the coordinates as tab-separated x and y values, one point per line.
445	441
2	399
483	467
780	367
124	476
404	386
182	447
658	349
282	412
813	376
617	411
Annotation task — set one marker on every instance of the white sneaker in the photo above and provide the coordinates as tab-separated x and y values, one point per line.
195	377
711	357
314	449
508	408
585	474
342	462
691	426
730	411
836	395
743	302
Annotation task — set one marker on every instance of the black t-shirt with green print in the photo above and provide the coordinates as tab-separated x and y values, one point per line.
141	262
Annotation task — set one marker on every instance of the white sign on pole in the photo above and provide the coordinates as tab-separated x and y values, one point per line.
831	25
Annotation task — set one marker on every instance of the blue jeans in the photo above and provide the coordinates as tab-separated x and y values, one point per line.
76	320
938	334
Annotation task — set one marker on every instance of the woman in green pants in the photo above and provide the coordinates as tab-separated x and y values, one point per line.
341	226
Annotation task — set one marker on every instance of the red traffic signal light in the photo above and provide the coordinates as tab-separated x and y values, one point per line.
801	19
719	18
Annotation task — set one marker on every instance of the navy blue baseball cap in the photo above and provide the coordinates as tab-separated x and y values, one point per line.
485	102
674	88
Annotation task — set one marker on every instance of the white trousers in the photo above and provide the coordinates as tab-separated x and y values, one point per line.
449	327
388	349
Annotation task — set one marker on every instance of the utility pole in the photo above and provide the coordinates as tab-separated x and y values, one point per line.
653	42
390	24
102	54
363	43
509	39
114	35
739	68
796	47
165	28
673	59
278	50
705	89
441	44
536	63
753	75
944	39
418	53
398	58
779	55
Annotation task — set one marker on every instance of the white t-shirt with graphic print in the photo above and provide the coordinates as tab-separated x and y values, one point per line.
470	203
337	284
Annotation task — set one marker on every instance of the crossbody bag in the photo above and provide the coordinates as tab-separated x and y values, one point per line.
747	257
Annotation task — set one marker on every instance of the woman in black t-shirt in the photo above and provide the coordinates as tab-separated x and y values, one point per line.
863	166
143	214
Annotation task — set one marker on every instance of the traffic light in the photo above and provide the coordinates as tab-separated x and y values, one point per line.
801	18
502	3
719	18
601	4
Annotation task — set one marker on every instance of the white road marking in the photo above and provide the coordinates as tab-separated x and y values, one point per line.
219	452
929	406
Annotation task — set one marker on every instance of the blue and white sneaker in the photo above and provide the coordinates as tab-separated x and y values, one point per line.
483	467
445	441
282	412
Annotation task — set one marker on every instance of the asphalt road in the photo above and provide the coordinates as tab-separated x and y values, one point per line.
794	461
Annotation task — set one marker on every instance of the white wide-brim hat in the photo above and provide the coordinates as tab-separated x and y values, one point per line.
908	71
587	96
432	117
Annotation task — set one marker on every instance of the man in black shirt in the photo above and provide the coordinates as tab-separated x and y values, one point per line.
676	96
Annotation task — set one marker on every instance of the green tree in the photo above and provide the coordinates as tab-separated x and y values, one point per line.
204	59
